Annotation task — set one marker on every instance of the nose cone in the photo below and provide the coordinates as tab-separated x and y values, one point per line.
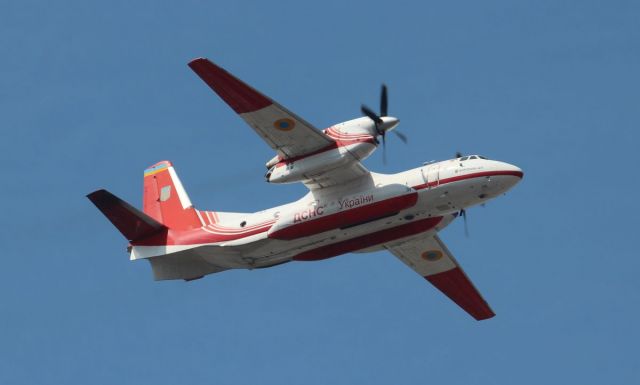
515	170
389	123
510	175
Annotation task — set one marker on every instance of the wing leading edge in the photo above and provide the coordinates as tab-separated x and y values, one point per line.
430	257
288	134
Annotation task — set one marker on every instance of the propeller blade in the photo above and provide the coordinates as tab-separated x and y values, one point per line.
400	135
383	101
463	214
458	154
384	149
372	115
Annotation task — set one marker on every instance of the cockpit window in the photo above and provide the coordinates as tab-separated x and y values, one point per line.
464	158
481	157
473	157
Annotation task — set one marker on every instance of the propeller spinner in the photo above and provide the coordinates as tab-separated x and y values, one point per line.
383	122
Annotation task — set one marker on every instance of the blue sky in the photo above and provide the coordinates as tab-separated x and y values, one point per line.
93	92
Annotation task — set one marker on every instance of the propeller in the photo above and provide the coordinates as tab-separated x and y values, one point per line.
381	125
383	100
372	115
463	214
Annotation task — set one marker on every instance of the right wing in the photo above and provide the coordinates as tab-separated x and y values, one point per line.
430	258
288	134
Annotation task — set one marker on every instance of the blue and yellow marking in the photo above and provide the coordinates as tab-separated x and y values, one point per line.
284	124
156	169
432	255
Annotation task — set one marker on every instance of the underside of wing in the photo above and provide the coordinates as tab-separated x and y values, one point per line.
429	257
337	176
288	134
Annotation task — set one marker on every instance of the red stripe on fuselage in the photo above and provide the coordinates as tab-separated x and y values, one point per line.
369	240
458	178
347	218
200	236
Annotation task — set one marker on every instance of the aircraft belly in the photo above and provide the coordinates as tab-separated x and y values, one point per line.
336	242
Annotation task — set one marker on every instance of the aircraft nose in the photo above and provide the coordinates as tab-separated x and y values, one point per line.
512	174
517	171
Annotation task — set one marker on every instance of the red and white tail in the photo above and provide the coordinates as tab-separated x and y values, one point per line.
165	200
165	205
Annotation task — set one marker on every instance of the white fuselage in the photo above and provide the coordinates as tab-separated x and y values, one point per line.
442	189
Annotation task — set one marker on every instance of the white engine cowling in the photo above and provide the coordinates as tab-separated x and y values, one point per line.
353	140
306	168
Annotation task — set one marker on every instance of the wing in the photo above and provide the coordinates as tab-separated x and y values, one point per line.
337	176
288	134
430	258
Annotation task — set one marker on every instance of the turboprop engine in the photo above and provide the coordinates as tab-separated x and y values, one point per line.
353	140
296	170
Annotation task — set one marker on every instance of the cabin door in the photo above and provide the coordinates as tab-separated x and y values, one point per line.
432	175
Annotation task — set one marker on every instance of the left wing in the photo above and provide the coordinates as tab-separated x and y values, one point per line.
288	134
337	176
430	258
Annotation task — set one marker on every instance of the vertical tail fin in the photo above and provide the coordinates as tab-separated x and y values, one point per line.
165	200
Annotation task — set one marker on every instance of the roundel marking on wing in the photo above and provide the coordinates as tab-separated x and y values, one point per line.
431	255
284	124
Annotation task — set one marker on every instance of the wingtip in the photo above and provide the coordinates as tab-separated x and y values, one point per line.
241	97
485	317
198	60
95	194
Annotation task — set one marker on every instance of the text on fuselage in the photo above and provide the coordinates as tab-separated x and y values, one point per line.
308	214
350	203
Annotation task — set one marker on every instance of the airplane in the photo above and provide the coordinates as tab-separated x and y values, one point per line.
347	209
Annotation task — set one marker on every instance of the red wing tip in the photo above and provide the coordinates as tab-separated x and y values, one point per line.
241	97
198	60
96	194
456	285
485	316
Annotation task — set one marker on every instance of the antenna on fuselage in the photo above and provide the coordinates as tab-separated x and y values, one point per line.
463	214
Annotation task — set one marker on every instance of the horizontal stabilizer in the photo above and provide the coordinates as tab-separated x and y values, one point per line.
131	222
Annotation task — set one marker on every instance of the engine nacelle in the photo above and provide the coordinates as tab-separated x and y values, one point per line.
311	166
353	140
